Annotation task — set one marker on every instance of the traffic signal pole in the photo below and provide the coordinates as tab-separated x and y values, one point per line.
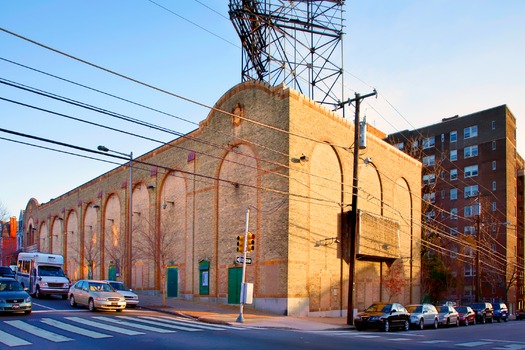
243	297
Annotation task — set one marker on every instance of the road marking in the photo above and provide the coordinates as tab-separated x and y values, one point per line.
435	341
106	327
196	324
75	329
11	340
146	319
39	332
131	324
474	343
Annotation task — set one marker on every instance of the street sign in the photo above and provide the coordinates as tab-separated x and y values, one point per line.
240	259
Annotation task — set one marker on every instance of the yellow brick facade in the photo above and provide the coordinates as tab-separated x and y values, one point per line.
269	149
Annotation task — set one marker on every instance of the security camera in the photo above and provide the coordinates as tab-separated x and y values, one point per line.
368	160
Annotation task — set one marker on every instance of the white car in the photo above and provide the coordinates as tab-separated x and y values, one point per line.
132	299
96	295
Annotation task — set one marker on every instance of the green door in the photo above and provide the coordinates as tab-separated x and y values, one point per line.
234	285
172	276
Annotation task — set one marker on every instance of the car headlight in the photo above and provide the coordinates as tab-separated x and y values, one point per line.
101	299
2	300
374	318
358	318
42	284
28	299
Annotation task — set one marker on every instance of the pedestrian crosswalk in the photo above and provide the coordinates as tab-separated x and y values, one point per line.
60	329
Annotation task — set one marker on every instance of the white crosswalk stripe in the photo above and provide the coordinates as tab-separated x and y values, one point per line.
39	332
135	325
105	327
11	340
193	323
162	324
75	329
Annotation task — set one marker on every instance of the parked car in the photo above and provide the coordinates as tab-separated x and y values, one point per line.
13	297
6	271
484	312
132	299
96	295
466	315
423	315
520	314
448	315
501	312
384	316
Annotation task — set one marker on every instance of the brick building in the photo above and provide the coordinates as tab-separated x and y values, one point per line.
473	201
267	149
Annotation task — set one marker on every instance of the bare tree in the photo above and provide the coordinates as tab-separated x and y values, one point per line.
157	246
4	213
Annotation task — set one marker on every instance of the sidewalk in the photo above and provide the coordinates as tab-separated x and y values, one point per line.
228	314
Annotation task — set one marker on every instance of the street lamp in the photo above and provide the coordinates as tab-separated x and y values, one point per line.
130	211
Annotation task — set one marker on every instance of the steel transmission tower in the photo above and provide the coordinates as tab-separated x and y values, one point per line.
298	43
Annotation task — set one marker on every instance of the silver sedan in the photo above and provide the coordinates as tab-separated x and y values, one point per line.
96	295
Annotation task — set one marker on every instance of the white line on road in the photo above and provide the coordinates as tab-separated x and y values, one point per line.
39	332
134	325
75	329
105	327
11	340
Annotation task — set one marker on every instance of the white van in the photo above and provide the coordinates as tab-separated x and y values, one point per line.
42	274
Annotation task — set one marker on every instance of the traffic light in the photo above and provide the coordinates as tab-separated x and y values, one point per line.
240	244
251	242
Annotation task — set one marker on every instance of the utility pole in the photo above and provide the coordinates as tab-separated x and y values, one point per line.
353	214
478	252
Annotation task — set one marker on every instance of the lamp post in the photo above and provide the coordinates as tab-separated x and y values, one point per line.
129	235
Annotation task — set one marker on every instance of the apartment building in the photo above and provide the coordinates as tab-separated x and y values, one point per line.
472	202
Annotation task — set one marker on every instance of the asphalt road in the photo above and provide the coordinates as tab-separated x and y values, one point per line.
56	325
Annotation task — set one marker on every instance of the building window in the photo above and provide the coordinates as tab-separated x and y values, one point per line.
415	144
471	171
471	191
469	230
443	175
471	210
453	136
493	165
431	197
493	185
442	194
453	155
454	194
453	174
493	206
431	215
429	142
471	131
493	125
454	231
429	179
493	145
471	151
454	213
429	160
400	145
468	270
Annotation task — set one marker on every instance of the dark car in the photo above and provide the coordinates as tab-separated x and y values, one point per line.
520	314
501	312
13	297
5	271
466	315
484	312
384	316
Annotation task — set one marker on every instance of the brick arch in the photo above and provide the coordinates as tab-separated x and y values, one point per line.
371	196
114	229
72	241
324	217
236	191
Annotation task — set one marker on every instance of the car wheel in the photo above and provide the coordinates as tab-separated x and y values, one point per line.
474	321
407	326
64	296
359	328
457	322
386	326
491	320
72	301
448	322
466	322
91	305
499	320
505	319
436	323
132	306
119	310
483	319
421	324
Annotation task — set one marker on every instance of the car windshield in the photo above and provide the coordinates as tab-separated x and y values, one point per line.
379	307
100	287
119	286
415	308
53	271
442	309
462	309
477	306
10	286
497	306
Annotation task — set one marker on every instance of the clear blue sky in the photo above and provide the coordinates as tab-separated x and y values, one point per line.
427	59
